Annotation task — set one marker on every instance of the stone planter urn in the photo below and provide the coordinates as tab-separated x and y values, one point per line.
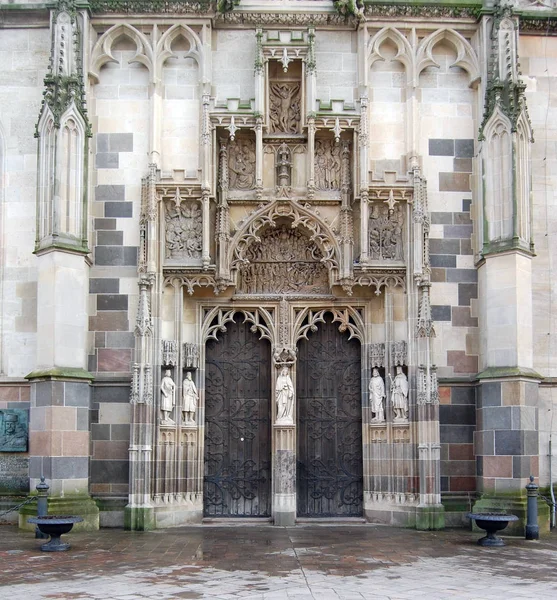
491	523
54	526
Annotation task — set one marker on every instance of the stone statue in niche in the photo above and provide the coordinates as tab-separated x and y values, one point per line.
327	165
190	398
385	233
183	230
241	165
376	397
284	107
284	167
168	398
285	398
399	395
284	261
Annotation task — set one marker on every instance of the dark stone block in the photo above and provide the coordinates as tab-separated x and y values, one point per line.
467	291
70	467
466	247
109	321
82	419
49	393
466	204
464	148
107	160
120	432
120	142
437	246
461	317
454	182
109	256
110	238
443	260
454	414
112	302
462	275
524	417
105	224
441	147
531	391
104	286
438	275
40	466
109	471
92	363
521	467
496	417
120	339
479	466
130	256
484	443
463	395
458	231
118	209
509	442
20	405
489	394
462	165
441	218
444	484
113	193
102	142
456	434
531	446
440	312
111	393
100	431
462	218
77	394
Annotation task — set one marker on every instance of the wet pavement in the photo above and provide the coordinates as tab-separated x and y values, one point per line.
322	562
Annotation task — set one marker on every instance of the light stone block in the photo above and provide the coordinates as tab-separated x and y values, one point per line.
114	413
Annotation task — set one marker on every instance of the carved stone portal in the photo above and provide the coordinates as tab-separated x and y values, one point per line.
284	261
183	230
327	165
241	165
285	108
385	233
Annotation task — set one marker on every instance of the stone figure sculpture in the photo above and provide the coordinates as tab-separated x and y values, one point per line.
285	107
189	397
376	396
168	398
399	395
285	398
241	166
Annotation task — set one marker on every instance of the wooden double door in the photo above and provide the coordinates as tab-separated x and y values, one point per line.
239	376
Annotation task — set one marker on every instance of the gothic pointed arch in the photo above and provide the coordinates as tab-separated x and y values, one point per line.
164	45
216	319
404	52
349	320
466	57
321	246
102	51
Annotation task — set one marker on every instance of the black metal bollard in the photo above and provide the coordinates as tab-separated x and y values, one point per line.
42	506
532	528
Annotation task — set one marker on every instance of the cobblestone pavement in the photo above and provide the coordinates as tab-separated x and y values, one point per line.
322	562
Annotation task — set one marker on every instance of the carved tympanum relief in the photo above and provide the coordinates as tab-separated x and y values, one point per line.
241	165
327	165
385	233
284	107
183	230
284	261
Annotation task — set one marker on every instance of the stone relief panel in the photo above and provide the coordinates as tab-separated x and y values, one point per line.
183	230
385	233
284	113
241	165
327	165
284	261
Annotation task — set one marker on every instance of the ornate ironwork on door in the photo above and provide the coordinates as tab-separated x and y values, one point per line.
328	381
237	424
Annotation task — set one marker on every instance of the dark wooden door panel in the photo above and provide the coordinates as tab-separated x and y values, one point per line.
329	468
237	425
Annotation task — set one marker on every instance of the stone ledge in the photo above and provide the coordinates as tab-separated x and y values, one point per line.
508	372
60	373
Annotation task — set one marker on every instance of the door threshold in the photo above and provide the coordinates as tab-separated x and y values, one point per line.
236	520
329	520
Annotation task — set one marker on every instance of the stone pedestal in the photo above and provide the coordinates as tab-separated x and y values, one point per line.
284	475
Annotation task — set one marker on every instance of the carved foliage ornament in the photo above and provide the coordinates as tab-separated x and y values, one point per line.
284	261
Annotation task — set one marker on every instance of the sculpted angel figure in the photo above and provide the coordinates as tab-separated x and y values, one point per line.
376	396
285	398
168	398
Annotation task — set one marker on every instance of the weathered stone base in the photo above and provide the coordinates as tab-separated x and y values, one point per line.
111	511
80	506
430	517
177	515
284	519
139	518
457	508
516	505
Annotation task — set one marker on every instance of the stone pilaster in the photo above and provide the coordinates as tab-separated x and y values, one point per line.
284	475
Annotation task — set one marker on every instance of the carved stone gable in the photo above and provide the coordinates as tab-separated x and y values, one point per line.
284	261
